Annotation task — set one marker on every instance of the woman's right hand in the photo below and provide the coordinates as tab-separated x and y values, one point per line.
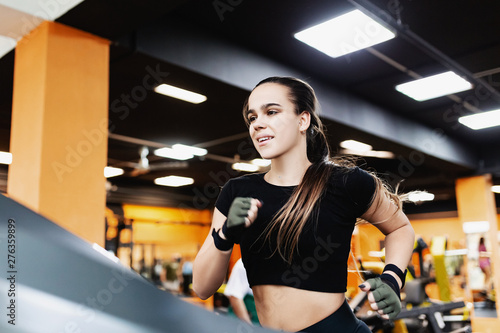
241	215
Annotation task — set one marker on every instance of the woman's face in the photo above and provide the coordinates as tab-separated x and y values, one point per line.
274	125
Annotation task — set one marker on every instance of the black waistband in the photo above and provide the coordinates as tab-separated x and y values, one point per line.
342	320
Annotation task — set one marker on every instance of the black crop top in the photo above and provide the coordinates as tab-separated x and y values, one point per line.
321	261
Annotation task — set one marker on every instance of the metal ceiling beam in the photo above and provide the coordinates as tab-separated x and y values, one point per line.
198	51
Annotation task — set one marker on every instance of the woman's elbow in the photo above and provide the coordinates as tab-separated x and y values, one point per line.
200	290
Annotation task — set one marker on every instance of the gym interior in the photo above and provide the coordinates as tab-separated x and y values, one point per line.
85	88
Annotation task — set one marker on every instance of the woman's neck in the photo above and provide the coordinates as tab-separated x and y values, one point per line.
285	172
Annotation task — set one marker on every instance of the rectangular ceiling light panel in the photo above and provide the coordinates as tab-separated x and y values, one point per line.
345	34
174	181
5	157
434	86
481	120
180	93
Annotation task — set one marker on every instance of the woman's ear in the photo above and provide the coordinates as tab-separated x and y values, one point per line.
304	120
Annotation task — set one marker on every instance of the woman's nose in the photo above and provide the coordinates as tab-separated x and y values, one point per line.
258	124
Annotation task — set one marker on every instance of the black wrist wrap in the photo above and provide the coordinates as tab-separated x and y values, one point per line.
395	269
221	243
391	282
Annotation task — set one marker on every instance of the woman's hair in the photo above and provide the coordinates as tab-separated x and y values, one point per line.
291	219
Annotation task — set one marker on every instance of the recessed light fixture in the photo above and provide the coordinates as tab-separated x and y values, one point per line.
481	120
420	196
248	167
176	154
174	181
475	227
345	34
190	150
179	93
355	146
434	86
495	188
261	162
5	158
112	172
370	153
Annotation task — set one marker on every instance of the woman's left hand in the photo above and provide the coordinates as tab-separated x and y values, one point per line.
382	298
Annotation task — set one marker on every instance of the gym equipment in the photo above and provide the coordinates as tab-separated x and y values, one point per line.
427	311
423	316
53	281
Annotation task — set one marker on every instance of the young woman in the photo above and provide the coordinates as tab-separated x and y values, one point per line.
294	223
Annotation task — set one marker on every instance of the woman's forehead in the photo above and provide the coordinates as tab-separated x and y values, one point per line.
268	93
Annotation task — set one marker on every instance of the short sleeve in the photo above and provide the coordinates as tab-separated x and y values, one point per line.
225	198
361	187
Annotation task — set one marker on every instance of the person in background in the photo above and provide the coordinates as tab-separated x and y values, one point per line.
241	300
187	277
171	280
484	264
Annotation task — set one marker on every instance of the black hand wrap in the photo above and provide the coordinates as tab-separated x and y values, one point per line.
395	269
391	281
234	225
221	243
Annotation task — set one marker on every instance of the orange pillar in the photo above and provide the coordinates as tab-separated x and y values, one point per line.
476	202
59	127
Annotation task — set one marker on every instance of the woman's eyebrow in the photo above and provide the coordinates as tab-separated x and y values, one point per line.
264	106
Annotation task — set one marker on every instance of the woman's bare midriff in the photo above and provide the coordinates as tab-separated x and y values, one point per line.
290	309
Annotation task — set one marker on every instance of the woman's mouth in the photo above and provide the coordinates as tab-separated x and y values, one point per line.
264	140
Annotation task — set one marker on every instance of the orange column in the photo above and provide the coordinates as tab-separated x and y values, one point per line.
476	202
59	127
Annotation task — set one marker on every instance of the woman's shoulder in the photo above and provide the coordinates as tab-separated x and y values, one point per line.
245	180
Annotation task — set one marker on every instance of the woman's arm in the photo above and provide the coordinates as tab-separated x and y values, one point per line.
211	264
399	234
383	294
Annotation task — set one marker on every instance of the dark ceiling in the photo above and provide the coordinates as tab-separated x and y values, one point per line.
222	48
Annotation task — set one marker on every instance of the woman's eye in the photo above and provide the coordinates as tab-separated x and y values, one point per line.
251	119
271	112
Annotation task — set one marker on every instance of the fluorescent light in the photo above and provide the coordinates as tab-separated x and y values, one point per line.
179	93
495	188
434	86
356	146
345	34
369	153
5	158
261	162
174	181
481	120
380	154
245	167
175	154
420	196
112	172
475	227
190	150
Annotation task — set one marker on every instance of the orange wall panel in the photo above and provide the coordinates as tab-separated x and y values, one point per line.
59	127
